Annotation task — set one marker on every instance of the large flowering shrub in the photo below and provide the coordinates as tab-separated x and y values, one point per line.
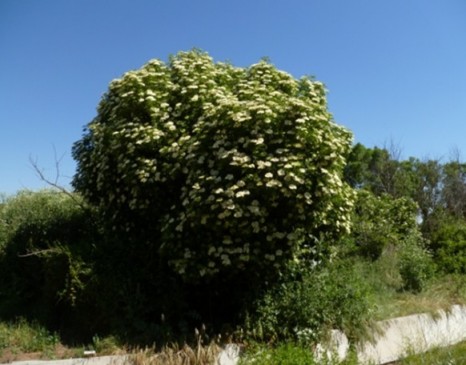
232	168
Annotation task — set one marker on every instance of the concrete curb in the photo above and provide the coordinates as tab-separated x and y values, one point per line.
99	360
229	356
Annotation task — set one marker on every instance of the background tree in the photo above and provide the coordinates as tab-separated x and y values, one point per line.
437	191
428	187
374	169
381	172
454	188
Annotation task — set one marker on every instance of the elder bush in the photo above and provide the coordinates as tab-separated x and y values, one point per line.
222	169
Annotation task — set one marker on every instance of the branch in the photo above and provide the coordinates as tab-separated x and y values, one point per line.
40	173
38	253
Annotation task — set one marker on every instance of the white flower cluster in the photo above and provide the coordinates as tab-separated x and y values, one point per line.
231	163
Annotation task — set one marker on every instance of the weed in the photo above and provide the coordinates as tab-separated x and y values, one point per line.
106	346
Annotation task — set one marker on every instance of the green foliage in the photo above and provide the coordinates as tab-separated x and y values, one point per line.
21	336
383	224
210	179
47	240
454	188
31	209
379	221
308	302
448	244
379	171
367	168
415	265
427	186
221	168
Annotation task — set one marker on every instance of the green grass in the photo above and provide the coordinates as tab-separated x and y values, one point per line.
293	354
453	355
21	336
390	301
287	354
23	340
284	354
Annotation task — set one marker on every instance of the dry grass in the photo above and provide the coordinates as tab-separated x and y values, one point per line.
175	355
440	294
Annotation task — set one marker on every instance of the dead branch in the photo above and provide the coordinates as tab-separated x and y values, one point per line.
54	183
38	253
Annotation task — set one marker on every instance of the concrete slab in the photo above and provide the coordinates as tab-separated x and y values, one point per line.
98	360
336	348
229	355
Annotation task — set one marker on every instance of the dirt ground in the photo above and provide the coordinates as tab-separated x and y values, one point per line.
59	352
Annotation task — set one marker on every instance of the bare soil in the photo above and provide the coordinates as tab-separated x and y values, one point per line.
59	352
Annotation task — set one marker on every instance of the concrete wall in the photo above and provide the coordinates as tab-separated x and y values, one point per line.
415	334
401	336
397	338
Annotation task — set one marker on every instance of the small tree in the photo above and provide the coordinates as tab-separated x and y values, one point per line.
380	221
221	169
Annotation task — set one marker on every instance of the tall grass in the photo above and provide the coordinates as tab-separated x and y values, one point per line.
389	298
23	337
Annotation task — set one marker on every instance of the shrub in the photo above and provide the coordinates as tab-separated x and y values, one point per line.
415	264
448	244
221	169
47	241
308	302
380	221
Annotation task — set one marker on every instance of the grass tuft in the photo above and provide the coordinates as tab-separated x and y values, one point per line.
176	355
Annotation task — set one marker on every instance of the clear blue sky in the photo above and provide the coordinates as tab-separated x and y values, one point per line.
395	70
